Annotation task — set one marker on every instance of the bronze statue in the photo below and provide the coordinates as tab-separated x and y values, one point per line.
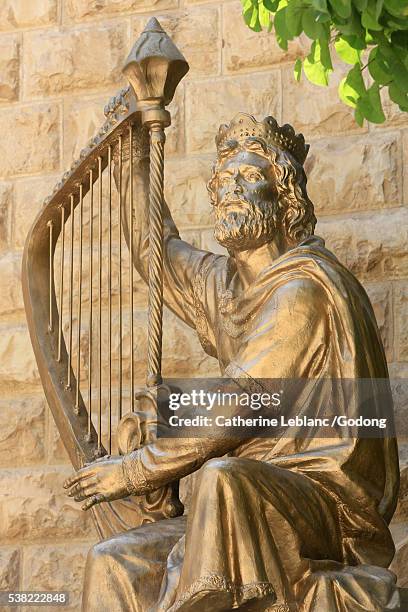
274	524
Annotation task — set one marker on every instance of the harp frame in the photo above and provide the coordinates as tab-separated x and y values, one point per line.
154	69
43	317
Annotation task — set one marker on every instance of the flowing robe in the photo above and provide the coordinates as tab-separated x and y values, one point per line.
274	524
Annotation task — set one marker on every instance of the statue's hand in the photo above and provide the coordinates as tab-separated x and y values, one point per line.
100	481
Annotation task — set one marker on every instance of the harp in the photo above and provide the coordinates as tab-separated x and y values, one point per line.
78	283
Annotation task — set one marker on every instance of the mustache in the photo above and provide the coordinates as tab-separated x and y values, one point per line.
227	201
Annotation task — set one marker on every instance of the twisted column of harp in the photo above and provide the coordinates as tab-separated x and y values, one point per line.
155	316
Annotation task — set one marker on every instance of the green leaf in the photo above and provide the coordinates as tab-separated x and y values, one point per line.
395	58
342	7
398	96
352	87
322	17
355	42
359	117
346	52
370	105
248	12
360	5
294	13
398	8
400	39
317	65
347	94
254	23
271	5
282	34
369	18
312	28
377	67
298	69
264	16
320	5
355	80
351	25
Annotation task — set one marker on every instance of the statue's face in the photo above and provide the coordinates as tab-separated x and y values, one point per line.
245	201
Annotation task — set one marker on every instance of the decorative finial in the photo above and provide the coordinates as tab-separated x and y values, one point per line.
155	66
153	25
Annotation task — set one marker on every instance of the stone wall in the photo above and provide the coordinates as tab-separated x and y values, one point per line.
60	61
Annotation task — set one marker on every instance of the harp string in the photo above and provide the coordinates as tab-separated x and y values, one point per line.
99	302
97	353
51	274
120	351
61	283
132	365
90	334
71	291
79	300
110	299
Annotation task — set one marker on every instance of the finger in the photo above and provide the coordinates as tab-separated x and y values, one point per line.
85	492
81	486
95	499
81	474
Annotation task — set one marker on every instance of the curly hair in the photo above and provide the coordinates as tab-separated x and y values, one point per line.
295	209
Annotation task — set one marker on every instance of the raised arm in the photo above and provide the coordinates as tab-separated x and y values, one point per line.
182	261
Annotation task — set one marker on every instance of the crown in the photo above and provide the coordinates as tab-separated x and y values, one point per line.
244	126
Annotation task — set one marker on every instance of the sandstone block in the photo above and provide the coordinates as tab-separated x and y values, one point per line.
208	104
245	49
371	245
25	13
62	62
192	236
16	357
29	195
11	296
186	191
30	139
9	67
182	352
208	242
56	449
401	321
6	191
399	386
196	34
22	431
82	120
56	568
393	115
314	110
9	568
175	133
80	9
381	299
34	506
355	173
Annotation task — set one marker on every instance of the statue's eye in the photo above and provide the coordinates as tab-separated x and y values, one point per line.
252	176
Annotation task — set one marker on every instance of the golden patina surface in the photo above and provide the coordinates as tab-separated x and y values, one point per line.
274	524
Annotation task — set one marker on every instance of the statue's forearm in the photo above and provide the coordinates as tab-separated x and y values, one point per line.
167	460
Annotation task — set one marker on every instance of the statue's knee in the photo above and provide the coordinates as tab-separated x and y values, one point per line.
99	554
219	468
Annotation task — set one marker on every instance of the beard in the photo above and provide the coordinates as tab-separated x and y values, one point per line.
251	228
